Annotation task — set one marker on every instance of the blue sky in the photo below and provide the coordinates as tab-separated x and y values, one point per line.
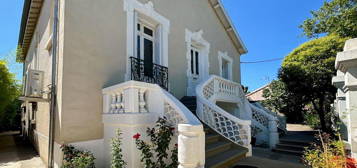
269	30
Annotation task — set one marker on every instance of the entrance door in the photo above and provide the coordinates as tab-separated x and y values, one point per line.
195	75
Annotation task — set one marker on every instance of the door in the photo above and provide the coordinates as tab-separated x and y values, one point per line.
195	74
145	48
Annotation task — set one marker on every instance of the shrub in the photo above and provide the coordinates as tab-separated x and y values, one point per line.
117	156
155	154
75	158
328	153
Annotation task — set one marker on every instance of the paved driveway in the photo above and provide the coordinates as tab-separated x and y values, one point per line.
16	153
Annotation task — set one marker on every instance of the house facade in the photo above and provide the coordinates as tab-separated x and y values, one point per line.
92	66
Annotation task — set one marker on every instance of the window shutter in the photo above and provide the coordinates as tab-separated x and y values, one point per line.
158	37
135	35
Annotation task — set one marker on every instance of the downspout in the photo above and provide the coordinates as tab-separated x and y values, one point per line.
53	85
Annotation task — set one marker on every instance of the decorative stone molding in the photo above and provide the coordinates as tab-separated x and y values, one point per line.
132	9
196	38
224	56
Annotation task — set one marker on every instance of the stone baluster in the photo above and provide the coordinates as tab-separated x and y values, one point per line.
118	102
191	146
113	103
142	103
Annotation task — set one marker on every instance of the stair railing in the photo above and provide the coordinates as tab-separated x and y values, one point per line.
224	123
281	119
138	103
266	124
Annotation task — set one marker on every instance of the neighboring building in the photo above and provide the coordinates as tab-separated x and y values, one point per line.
345	104
96	48
257	95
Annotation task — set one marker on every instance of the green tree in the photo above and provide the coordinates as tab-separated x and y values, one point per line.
307	72
9	91
336	16
278	99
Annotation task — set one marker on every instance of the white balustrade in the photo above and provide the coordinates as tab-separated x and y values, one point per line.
132	106
224	123
230	126
266	123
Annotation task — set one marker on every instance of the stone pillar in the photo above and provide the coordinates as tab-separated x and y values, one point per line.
346	62
273	132
191	146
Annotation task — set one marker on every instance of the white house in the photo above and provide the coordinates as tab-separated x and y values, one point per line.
92	66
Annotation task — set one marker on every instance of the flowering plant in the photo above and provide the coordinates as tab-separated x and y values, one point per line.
155	154
328	154
75	158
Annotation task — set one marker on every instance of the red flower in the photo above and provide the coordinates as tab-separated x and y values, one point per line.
136	136
176	145
351	163
172	128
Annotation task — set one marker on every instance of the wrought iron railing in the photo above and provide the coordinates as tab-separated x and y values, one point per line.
149	72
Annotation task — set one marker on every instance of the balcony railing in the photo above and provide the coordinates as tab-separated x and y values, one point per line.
149	72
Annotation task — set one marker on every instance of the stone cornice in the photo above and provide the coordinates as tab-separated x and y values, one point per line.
346	60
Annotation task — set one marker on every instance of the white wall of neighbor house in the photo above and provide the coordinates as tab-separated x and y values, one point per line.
94	55
346	62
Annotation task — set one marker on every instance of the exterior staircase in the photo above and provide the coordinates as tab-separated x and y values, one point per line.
220	152
294	142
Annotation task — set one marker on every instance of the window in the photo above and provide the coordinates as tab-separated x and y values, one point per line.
225	65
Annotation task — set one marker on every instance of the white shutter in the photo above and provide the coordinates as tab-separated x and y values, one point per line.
157	50
135	34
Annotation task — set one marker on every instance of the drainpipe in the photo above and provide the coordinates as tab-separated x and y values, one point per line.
53	85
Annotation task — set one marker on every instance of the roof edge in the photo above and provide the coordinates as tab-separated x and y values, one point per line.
25	13
233	27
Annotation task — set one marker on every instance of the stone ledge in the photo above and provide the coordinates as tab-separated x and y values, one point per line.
338	81
346	59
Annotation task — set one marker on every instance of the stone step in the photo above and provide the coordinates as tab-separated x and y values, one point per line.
290	147
287	151
220	152
227	158
294	142
217	148
211	138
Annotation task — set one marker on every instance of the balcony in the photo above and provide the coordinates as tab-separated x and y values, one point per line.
146	71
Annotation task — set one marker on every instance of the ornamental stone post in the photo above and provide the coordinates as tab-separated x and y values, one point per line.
273	132
191	146
346	62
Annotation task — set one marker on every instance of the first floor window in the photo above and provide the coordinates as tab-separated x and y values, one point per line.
225	69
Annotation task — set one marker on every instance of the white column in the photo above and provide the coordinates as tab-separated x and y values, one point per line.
191	146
